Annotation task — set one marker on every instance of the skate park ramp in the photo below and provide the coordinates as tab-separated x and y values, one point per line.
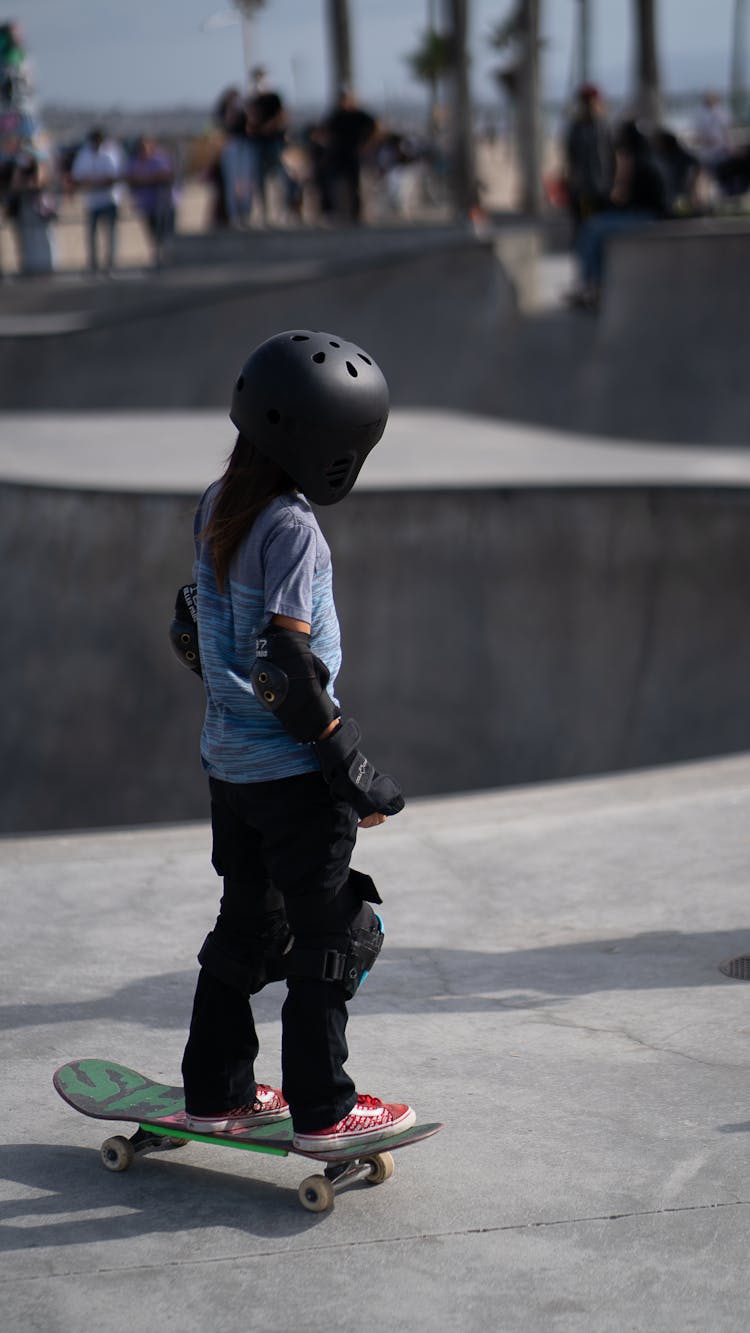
438	306
431	307
516	607
520	602
516	602
665	357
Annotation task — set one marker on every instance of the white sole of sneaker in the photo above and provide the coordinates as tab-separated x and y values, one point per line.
317	1146
225	1126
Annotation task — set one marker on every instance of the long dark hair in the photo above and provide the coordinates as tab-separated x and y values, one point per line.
249	482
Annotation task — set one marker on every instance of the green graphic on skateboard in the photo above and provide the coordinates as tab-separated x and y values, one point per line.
108	1091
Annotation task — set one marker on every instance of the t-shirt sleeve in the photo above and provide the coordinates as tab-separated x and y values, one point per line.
288	568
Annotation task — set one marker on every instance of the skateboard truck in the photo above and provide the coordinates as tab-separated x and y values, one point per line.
316	1193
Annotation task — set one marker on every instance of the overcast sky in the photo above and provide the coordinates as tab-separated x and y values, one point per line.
105	53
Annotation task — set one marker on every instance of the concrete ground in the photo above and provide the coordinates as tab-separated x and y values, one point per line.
549	988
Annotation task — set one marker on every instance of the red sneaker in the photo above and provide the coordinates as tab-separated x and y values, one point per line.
369	1119
269	1104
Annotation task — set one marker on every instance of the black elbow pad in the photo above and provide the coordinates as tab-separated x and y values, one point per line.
290	681
183	631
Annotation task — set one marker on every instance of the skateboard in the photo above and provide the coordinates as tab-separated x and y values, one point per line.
108	1091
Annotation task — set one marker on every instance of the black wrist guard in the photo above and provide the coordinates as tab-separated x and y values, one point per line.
353	778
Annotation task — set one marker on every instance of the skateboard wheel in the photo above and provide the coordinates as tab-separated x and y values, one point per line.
117	1153
316	1194
381	1167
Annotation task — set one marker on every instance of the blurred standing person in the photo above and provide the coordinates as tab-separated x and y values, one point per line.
98	168
151	180
236	161
589	156
347	131
712	133
681	169
266	132
32	211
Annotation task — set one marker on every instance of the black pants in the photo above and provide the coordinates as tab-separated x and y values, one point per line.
283	849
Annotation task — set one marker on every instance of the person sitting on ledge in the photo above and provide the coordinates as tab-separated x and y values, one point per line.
639	197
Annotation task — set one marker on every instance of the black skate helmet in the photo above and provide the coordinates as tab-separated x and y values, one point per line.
314	404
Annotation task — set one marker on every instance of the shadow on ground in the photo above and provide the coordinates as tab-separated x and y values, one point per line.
440	980
84	1204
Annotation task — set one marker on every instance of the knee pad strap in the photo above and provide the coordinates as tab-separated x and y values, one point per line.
349	966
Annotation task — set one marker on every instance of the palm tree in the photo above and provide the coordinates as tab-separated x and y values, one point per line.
738	61
647	85
520	33
341	47
247	9
583	41
430	63
463	175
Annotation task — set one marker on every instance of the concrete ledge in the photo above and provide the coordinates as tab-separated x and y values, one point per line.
431	316
181	452
670	347
499	628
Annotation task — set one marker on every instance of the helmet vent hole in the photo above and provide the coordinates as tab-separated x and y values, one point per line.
331	343
240	383
337	472
364	358
273	416
352	370
319	358
300	338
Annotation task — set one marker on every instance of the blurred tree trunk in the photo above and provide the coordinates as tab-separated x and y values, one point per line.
340	46
647	96
738	62
464	195
583	43
248	9
529	107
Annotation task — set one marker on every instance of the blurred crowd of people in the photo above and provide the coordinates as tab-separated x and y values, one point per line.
317	169
260	169
34	178
622	177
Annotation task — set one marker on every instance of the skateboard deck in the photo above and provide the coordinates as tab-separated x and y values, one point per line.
108	1091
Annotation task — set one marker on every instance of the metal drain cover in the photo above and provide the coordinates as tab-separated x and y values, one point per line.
737	968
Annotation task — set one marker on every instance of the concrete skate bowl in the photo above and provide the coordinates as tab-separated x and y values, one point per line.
431	308
669	355
503	623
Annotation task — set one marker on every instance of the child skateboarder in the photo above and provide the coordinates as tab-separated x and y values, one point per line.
289	784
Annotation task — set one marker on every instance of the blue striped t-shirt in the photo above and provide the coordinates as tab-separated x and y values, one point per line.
282	567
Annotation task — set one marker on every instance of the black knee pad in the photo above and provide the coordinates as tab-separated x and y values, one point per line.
250	973
366	941
347	960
